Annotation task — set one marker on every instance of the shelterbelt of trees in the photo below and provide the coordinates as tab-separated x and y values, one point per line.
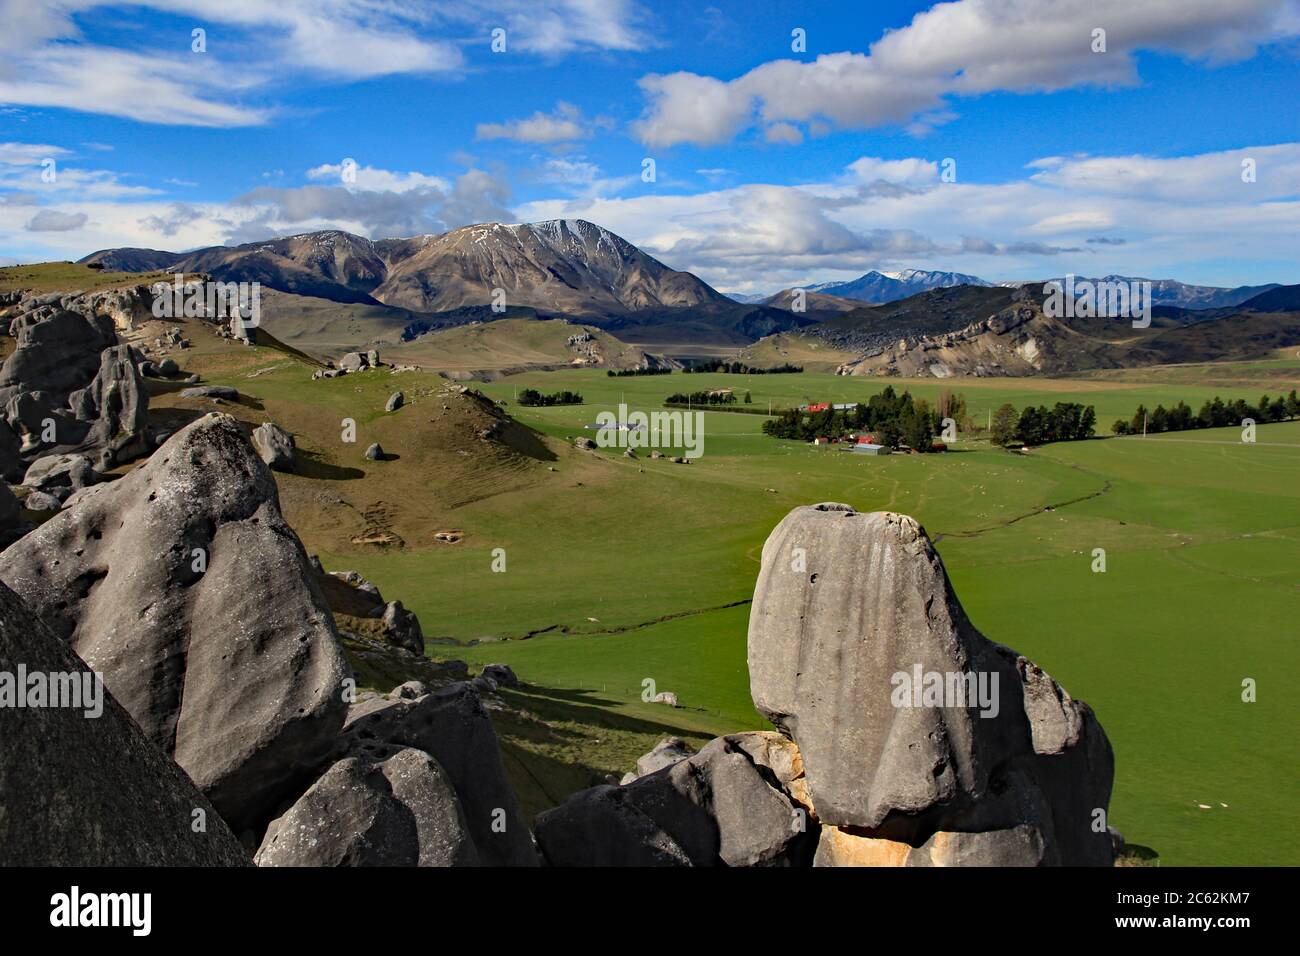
894	420
1065	421
740	368
532	397
1215	413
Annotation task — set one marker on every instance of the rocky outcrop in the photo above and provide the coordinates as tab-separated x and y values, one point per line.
719	807
69	386
83	790
451	726
183	585
904	737
365	811
60	475
909	722
274	445
402	628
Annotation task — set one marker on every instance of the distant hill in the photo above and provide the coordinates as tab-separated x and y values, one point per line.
1181	294
557	268
1282	298
992	331
881	287
812	301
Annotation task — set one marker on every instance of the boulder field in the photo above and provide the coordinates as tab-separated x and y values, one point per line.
903	737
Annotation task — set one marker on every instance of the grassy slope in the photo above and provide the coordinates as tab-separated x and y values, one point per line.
1199	591
61	276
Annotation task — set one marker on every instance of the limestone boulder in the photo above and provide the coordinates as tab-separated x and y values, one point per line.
83	786
364	811
908	721
452	727
274	445
184	586
715	808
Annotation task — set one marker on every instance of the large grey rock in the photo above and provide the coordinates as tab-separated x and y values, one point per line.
402	628
848	610
211	391
665	753
72	472
375	452
500	675
69	371
395	401
719	807
452	726
56	351
398	811
79	790
274	445
185	587
40	501
116	404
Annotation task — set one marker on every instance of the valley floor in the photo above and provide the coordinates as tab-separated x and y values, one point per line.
619	571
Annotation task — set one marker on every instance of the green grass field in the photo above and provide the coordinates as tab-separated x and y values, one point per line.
632	570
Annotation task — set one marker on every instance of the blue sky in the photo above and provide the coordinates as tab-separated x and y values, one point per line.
773	165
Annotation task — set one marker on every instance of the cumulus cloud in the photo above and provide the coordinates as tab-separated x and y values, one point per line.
51	220
415	209
47	61
895	213
961	48
564	125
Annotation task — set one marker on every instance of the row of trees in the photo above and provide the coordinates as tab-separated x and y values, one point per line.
740	368
894	419
1215	413
702	398
629	372
1065	421
532	397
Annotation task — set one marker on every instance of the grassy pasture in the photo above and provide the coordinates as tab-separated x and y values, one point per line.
627	570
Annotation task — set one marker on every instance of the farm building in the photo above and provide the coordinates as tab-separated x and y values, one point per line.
862	448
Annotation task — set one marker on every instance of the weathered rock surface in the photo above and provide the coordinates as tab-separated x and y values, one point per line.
402	628
375	453
69	386
852	609
77	790
451	726
211	391
274	445
718	807
398	811
52	473
664	754
183	585
395	401
500	675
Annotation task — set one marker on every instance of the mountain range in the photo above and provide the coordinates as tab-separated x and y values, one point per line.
879	288
563	267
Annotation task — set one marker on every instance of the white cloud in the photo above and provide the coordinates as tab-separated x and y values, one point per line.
51	220
899	213
965	47
564	125
46	61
